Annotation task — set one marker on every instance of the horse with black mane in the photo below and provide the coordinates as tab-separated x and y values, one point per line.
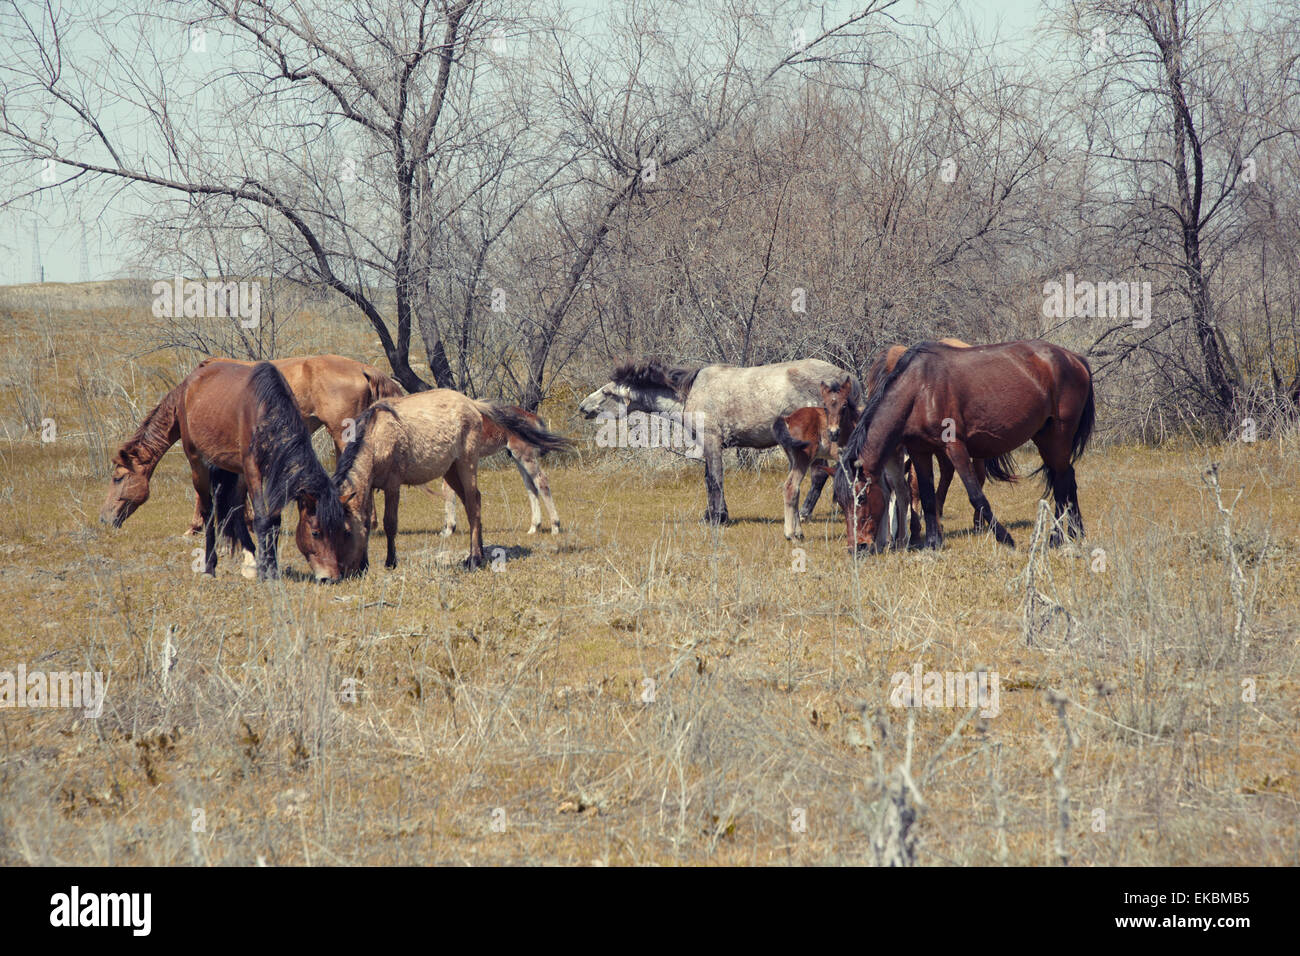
980	402
722	406
241	430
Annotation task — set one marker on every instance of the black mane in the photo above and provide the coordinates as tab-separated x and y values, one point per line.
853	447
349	457
283	452
652	374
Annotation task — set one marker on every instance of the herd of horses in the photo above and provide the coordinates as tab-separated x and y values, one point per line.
246	427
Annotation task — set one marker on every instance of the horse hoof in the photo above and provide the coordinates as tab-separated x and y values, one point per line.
446	532
555	529
473	563
532	530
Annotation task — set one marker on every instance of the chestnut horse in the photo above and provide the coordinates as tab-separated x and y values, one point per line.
241	429
981	402
527	458
413	440
329	390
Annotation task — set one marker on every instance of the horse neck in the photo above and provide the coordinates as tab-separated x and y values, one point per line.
659	403
375	459
160	430
885	430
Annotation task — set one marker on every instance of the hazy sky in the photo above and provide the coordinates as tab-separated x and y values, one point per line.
64	232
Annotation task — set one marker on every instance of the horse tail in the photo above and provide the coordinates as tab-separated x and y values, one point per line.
1086	421
1082	431
380	385
520	424
228	508
1002	468
785	439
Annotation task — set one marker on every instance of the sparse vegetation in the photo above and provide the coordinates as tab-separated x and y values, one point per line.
525	691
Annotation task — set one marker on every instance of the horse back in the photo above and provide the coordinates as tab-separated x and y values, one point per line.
216	413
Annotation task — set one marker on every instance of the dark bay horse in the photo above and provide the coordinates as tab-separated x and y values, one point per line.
329	390
722	406
416	439
1000	469
981	402
241	429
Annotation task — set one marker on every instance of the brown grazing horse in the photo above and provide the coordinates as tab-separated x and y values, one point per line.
981	402
1001	469
414	440
329	390
841	415
241	429
527	458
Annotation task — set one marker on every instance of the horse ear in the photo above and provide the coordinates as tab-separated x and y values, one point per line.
347	499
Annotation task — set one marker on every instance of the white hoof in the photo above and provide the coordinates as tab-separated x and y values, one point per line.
532	530
555	529
446	532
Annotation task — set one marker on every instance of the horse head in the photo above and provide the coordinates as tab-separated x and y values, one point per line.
128	487
865	518
640	387
332	535
836	398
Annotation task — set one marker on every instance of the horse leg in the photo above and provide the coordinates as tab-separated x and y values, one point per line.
945	480
448	509
391	498
197	522
532	461
532	492
716	511
819	477
899	501
914	505
929	507
463	479
961	461
798	468
203	505
267	529
1058	473
981	475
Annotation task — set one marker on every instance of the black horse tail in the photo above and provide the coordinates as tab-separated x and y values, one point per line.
1082	432
785	439
227	489
1086	421
1002	468
517	422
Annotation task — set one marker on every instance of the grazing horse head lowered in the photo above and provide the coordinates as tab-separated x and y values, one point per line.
968	404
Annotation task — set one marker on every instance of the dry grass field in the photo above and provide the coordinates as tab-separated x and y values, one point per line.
507	716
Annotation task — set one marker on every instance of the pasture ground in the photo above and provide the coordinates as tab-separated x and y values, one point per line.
506	717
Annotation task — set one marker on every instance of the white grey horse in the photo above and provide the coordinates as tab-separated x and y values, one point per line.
721	406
